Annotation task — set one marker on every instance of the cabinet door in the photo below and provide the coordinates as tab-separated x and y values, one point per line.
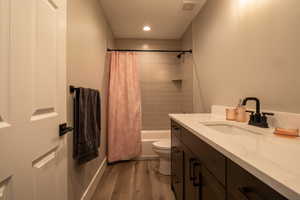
176	130
177	172
244	186
177	159
211	189
192	176
213	160
175	145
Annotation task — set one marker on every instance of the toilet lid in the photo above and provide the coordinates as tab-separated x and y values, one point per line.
163	144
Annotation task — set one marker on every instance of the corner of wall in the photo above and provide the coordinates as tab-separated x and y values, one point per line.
91	188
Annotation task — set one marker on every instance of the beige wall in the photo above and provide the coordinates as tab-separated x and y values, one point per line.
191	100
249	48
88	37
160	95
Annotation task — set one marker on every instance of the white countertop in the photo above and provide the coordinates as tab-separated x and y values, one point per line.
275	160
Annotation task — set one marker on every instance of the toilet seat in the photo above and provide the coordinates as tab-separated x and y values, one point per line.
163	144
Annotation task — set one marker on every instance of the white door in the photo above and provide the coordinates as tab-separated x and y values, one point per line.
32	99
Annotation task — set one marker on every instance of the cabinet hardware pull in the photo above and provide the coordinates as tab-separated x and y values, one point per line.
191	171
176	180
176	128
198	176
244	191
199	183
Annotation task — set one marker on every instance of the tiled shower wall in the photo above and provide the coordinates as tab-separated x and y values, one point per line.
159	74
160	94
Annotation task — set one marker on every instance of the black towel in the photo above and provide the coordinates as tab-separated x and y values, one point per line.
87	125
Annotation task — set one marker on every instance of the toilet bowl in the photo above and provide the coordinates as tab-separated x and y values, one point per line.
163	149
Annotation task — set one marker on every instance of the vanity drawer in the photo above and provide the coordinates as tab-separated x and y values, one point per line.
214	161
242	185
176	130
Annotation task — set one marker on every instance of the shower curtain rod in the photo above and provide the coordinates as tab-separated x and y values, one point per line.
152	50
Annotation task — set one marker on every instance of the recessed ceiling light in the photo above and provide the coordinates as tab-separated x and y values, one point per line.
147	28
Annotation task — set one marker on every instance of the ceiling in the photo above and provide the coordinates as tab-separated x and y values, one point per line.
167	18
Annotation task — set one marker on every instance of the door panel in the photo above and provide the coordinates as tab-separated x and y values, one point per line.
177	172
45	68
192	173
180	174
5	120
243	185
46	176
209	157
4	61
32	99
177	165
211	188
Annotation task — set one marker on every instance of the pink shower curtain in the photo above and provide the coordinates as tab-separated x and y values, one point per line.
124	108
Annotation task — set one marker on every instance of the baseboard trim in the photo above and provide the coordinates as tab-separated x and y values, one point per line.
147	157
90	190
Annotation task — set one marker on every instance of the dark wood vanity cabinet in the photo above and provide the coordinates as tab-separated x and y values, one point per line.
211	188
192	178
177	162
177	173
199	172
244	186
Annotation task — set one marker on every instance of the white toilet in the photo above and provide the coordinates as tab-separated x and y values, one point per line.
163	149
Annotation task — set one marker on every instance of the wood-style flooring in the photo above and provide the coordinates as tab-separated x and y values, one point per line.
134	180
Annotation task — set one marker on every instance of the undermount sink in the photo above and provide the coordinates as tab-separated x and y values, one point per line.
230	129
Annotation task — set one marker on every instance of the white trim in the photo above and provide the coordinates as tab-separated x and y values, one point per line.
90	190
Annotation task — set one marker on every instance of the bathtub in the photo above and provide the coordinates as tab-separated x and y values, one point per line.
148	137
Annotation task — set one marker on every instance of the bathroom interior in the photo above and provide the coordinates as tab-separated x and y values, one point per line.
154	100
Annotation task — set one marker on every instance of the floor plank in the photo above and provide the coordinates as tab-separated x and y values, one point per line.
134	180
